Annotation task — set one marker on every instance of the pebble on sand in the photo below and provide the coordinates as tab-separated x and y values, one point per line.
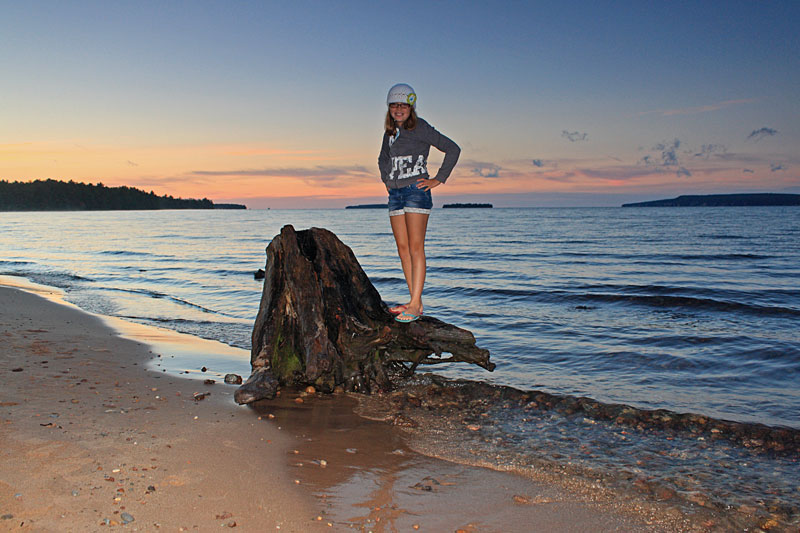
233	379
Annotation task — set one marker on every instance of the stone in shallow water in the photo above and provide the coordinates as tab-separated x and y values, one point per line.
233	379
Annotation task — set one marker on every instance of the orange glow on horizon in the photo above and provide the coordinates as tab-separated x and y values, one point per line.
257	171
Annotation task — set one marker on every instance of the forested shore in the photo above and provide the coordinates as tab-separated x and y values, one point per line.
55	195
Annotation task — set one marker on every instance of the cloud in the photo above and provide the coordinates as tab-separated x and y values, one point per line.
757	135
574	136
485	170
707	150
697	109
538	163
742	158
748	171
666	158
669	152
331	175
774	167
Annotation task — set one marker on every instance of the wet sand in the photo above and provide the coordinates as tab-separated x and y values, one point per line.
91	439
366	478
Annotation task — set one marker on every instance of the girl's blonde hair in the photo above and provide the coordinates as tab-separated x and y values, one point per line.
410	123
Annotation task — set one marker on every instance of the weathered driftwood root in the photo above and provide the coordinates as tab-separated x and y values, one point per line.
322	322
259	386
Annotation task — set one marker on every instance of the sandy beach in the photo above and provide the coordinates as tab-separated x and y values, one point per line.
91	439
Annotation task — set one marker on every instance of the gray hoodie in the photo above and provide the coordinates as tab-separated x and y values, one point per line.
404	158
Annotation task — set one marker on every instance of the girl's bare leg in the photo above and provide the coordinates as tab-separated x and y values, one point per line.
400	232
409	235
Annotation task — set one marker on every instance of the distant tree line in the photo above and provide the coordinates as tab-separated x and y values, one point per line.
724	200
53	195
466	206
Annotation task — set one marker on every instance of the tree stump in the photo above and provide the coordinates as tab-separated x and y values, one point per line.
321	322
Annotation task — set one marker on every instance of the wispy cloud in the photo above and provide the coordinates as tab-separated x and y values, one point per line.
774	167
748	171
574	136
666	157
248	151
707	150
696	109
330	175
757	135
485	170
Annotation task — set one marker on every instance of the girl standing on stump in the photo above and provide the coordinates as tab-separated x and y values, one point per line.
403	163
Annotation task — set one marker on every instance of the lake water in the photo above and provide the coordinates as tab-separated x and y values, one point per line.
687	309
692	310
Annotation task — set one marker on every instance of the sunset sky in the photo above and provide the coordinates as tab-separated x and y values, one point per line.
281	104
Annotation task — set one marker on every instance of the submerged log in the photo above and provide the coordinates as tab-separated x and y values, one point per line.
321	322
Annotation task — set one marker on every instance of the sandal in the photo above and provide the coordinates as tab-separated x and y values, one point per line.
406	317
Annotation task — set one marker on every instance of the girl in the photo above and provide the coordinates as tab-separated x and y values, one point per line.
403	161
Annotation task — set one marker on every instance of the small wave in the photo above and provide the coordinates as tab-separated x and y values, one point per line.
386	279
125	252
229	272
459	270
721	236
160	295
176	321
777	439
684	302
718	257
480	292
62	280
660	297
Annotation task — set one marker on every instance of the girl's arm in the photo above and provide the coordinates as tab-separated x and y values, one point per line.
384	160
444	144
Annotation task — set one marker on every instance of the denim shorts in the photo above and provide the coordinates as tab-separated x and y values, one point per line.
409	199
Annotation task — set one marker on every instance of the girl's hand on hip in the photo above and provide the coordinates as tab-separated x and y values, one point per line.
427	184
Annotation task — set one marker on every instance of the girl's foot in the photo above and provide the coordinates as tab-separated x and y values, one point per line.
411	310
397	309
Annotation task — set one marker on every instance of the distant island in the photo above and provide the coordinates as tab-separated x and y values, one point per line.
368	206
54	195
466	206
721	200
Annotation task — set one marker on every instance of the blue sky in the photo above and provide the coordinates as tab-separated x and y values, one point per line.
281	104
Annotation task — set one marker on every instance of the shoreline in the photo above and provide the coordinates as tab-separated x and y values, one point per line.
91	440
105	440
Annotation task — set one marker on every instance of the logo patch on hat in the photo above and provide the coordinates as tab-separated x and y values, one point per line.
412	98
